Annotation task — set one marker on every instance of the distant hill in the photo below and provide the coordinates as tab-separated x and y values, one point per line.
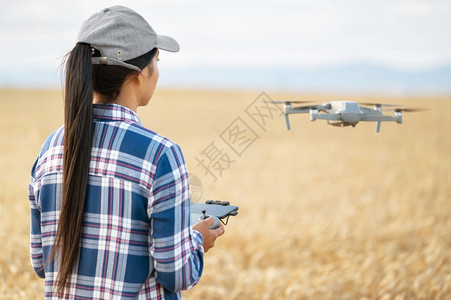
348	78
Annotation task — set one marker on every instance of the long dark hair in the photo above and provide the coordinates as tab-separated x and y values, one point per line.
82	80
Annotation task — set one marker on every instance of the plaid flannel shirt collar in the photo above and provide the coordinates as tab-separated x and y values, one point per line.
114	113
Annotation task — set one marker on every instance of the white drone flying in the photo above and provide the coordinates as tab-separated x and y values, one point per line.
345	113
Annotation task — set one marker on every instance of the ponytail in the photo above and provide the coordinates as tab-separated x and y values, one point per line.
78	99
82	79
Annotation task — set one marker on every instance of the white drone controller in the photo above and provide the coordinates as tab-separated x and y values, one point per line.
218	210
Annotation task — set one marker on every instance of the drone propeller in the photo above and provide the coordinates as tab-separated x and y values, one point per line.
393	107
409	109
315	107
286	102
379	104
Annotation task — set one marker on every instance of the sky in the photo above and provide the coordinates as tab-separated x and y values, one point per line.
306	34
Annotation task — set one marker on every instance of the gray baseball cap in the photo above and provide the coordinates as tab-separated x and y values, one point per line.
120	34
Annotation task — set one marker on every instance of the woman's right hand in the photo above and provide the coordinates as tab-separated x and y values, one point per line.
209	235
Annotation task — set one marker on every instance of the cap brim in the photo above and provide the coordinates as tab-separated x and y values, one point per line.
167	43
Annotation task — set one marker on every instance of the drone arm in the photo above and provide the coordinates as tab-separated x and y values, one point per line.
378	118
331	117
297	111
381	118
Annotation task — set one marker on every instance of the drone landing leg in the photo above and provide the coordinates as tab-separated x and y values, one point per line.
378	126
288	122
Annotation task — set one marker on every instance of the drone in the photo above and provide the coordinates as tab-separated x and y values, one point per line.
346	113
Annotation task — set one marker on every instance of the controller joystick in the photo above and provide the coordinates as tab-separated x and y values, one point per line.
205	216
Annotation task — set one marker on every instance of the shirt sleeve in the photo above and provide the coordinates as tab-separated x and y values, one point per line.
37	260
176	248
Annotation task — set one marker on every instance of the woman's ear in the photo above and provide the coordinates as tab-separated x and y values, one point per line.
140	79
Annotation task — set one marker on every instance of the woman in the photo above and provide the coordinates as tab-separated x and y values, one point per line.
110	211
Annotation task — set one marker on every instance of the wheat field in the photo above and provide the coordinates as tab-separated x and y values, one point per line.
325	212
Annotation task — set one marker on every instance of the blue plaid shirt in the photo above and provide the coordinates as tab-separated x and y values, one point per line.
137	240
